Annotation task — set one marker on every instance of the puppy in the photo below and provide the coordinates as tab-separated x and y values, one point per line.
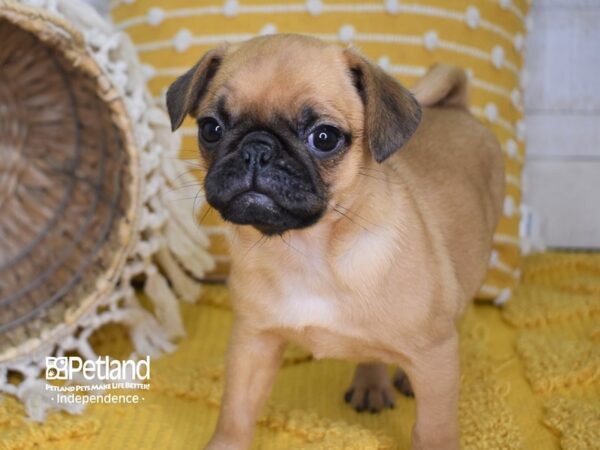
362	221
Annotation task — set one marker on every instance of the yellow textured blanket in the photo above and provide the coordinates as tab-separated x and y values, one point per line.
531	380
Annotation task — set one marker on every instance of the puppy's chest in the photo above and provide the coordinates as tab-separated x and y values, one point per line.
324	325
315	288
299	305
318	319
325	304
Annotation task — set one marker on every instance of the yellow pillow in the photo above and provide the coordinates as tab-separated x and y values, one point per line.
405	37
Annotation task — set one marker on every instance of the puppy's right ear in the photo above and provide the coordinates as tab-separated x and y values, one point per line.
184	95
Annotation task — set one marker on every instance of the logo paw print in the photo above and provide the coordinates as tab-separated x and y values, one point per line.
56	368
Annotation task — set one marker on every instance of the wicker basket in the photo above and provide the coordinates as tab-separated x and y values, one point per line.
69	179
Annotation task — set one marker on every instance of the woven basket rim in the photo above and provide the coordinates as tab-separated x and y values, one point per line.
66	39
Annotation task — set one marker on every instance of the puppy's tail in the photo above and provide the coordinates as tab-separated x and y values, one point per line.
443	85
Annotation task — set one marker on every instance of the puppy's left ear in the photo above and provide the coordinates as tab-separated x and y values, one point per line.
392	115
186	91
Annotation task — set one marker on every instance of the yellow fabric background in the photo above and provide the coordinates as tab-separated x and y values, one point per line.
530	380
171	36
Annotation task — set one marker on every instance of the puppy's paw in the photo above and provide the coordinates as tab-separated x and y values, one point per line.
371	389
218	443
373	400
402	383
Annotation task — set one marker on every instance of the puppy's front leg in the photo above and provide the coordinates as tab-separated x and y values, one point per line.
435	380
253	359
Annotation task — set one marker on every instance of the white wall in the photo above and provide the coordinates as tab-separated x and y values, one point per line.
562	104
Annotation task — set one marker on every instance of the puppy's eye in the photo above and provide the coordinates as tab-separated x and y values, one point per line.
210	130
325	138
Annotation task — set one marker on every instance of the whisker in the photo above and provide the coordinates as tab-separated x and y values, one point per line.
179	158
194	165
208	208
379	179
308	261
348	210
262	238
373	169
372	176
187	172
190	159
190	162
194	215
350	219
263	242
292	247
183	198
183	186
189	152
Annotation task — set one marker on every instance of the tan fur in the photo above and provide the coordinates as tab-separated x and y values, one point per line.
387	272
443	85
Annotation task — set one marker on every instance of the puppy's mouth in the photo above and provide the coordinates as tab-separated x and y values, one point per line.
261	211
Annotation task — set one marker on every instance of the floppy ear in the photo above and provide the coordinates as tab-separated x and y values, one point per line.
186	91
392	115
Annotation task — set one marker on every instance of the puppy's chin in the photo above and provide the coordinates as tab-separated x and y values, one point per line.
263	213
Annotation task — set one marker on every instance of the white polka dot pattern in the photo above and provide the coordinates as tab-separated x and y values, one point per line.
431	40
155	16
269	28
472	17
392	6
314	7
346	33
230	8
498	56
182	40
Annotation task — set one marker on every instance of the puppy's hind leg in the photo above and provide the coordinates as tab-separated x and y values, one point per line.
371	389
402	383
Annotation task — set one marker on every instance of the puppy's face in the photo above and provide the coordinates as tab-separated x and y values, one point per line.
284	124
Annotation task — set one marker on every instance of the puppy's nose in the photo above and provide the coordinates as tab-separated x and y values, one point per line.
258	149
257	155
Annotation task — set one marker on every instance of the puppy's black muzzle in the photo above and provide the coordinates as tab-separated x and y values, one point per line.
261	184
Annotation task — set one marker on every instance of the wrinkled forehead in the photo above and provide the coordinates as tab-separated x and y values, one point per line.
283	78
